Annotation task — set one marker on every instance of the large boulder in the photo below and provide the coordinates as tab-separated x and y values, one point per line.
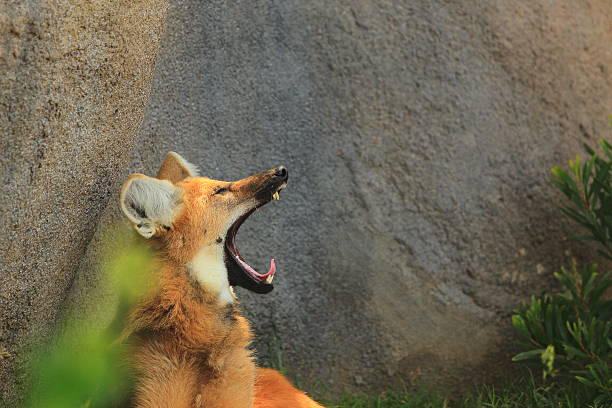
418	137
74	80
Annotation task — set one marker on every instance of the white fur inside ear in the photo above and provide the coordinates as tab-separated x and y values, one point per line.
150	202
192	169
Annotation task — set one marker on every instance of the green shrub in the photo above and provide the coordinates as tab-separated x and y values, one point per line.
570	332
590	195
83	367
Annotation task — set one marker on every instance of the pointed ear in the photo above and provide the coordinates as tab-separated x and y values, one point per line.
149	203
175	168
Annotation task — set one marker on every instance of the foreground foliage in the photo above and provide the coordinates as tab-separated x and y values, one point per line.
82	367
588	187
570	332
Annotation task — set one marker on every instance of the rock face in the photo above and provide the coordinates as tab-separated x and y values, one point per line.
418	138
74	81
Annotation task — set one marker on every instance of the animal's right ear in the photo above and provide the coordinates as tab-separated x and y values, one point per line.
175	168
149	203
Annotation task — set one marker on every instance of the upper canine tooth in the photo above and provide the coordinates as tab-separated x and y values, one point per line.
269	279
276	196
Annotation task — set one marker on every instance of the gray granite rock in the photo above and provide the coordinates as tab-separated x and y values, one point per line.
418	137
74	80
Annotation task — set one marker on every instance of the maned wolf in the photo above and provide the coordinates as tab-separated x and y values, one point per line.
190	341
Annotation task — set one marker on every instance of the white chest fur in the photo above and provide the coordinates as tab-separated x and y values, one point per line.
208	268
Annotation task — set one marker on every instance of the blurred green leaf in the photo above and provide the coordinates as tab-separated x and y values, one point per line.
84	367
531	354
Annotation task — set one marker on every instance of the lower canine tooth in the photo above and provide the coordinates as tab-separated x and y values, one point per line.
276	196
269	279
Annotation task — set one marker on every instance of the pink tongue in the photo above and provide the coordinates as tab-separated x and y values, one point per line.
252	271
272	269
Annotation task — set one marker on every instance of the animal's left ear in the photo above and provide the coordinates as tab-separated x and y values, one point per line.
149	203
175	168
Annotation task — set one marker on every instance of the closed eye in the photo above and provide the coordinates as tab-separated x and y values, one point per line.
220	190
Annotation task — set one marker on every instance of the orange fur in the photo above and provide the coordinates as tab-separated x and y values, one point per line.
190	348
273	390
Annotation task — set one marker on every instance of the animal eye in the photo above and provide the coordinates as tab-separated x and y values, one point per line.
220	190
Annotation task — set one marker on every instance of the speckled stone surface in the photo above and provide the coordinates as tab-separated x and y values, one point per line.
418	137
74	80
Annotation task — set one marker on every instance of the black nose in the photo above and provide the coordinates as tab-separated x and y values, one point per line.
281	172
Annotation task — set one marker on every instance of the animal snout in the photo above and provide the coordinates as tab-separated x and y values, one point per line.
281	173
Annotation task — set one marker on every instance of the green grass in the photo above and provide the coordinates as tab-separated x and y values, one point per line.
523	393
528	391
392	400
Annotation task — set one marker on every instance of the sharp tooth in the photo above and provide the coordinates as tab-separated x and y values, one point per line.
269	279
276	196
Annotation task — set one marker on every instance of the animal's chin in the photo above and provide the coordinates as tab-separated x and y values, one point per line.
240	273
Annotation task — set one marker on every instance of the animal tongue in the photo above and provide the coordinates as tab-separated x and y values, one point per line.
256	274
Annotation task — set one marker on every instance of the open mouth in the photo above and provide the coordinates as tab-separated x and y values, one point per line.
240	273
